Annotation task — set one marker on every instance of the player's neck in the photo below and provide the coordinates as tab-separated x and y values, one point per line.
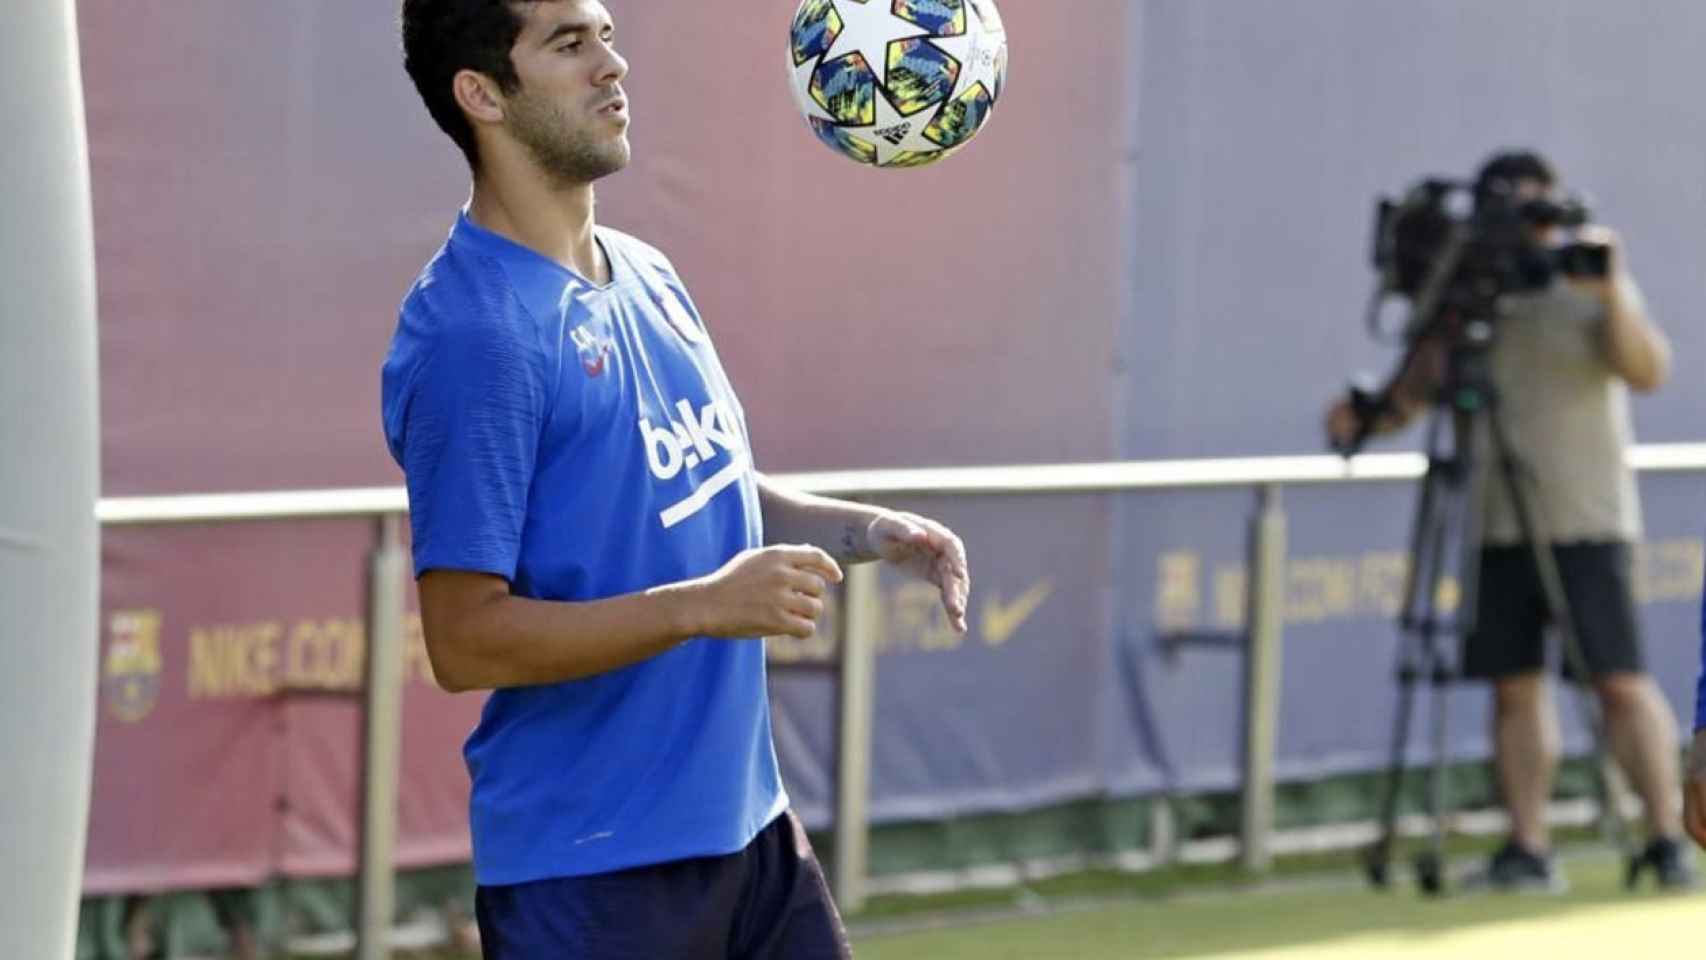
556	222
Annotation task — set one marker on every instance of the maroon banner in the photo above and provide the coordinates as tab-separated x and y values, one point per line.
228	748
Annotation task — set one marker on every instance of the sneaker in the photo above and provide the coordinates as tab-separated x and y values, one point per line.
1517	870
1670	862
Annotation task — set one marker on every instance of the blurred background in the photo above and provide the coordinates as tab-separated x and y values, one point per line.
1157	250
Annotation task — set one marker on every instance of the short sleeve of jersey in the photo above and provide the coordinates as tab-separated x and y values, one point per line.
464	403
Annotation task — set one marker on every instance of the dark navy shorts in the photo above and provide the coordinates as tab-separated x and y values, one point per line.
767	902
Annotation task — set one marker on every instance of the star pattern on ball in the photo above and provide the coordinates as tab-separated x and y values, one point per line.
978	52
802	83
868	27
895	136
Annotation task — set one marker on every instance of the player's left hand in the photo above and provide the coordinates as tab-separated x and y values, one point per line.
1694	791
928	551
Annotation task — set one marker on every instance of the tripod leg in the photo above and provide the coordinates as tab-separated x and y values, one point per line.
1430	864
1457	513
1416	655
1379	856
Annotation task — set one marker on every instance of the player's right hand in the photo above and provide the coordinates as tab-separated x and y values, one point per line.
1694	791
771	592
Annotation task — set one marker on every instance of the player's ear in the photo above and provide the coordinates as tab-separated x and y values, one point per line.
478	96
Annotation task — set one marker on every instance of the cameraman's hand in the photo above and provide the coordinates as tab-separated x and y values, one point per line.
775	591
1694	791
1343	426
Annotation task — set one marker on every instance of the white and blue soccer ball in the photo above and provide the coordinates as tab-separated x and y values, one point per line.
897	83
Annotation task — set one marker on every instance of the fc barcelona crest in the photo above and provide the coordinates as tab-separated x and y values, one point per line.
130	672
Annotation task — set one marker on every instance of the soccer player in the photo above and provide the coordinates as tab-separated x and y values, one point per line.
590	531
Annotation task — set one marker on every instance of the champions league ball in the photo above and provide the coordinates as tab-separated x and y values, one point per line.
897	83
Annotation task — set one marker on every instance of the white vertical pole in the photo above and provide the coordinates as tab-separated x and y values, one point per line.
382	726
1262	677
856	686
49	481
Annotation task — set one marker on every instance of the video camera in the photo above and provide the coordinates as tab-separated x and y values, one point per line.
1452	249
1445	249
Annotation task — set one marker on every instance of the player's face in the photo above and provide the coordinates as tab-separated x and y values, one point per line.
570	112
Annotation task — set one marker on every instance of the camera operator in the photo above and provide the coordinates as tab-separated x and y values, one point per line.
1562	361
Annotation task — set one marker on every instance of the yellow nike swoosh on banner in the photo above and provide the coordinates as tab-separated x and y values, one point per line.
1001	621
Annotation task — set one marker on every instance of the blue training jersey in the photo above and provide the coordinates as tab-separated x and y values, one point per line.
582	442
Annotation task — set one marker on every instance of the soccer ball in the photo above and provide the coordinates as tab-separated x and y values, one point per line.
897	83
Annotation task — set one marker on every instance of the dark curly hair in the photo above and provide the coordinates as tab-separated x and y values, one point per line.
444	37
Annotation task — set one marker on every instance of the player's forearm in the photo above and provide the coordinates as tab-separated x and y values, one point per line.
509	641
1637	349
838	527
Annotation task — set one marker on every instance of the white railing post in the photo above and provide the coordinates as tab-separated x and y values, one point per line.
861	614
382	727
1262	676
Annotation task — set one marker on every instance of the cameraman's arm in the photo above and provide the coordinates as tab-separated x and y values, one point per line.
1637	350
1416	384
1405	396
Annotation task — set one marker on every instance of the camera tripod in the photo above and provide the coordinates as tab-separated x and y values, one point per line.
1465	412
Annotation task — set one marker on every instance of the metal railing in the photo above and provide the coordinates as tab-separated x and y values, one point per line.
859	626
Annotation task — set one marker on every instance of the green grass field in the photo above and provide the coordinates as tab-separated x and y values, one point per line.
1304	915
1333	918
